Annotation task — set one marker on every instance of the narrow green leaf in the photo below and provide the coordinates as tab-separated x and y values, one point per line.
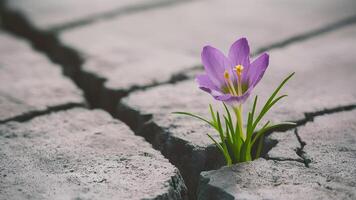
260	132
228	133
249	125
270	128
266	107
223	151
238	142
259	147
194	116
280	87
254	106
212	113
220	129
228	112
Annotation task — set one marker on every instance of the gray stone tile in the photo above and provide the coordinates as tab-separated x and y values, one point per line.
82	154
286	148
324	70
30	83
324	74
46	15
153	46
330	144
262	179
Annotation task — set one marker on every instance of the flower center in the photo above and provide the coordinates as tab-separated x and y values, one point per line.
229	84
230	87
238	69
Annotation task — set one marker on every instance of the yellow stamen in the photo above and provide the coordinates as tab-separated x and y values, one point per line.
226	75
229	83
239	69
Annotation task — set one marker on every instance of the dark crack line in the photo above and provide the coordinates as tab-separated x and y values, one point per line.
308	35
123	11
301	37
300	151
309	117
93	86
285	159
71	62
32	114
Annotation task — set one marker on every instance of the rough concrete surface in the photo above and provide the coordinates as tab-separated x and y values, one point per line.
82	154
158	44
30	83
329	144
48	15
148	52
308	93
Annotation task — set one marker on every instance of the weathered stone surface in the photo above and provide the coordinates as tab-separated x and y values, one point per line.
286	148
82	154
262	179
143	50
323	78
330	144
30	83
53	14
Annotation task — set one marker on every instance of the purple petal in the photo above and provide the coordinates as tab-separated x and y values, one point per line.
205	83
215	64
239	53
257	69
231	100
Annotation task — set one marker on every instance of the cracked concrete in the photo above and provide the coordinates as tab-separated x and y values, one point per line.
109	57
64	15
313	62
82	154
328	143
21	93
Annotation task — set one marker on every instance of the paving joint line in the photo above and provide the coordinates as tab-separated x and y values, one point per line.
33	114
71	60
34	36
310	34
118	12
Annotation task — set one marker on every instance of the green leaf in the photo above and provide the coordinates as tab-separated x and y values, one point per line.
220	130
194	116
266	128
228	133
266	109
249	126
270	102
259	147
254	106
212	113
223	151
260	132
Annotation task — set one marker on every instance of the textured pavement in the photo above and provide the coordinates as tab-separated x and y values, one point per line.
69	68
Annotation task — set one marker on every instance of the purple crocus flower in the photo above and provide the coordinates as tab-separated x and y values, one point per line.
231	79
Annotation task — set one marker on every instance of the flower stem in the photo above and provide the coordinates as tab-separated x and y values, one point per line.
238	112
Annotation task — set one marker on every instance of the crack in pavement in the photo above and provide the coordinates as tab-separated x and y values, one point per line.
93	86
30	115
309	117
300	151
313	33
71	61
123	11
